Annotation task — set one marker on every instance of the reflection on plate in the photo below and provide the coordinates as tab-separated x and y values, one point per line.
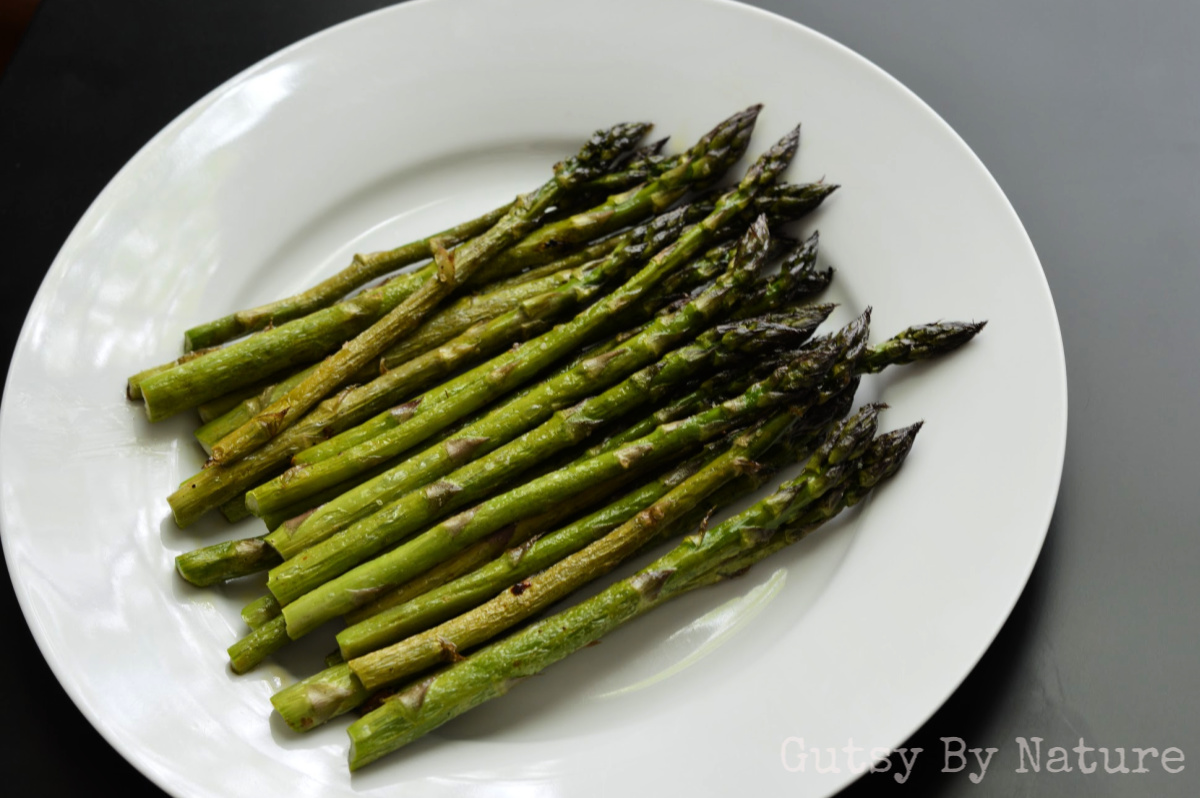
368	134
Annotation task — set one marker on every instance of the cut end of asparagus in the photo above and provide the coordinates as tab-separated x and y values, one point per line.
320	698
252	649
261	610
220	562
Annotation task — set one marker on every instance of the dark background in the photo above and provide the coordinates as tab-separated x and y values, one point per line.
1088	115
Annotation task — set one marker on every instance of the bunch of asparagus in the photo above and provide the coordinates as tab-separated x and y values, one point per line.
553	388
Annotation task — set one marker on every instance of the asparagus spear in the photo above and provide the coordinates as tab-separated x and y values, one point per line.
407	508
491	672
229	560
133	386
362	269
837	383
421	612
779	203
920	342
359	585
705	162
882	460
261	610
450	322
536	405
232	559
310	337
474	480
218	483
264	608
352	405
453	270
420	651
468	392
644	164
336	690
355	586
695	165
709	393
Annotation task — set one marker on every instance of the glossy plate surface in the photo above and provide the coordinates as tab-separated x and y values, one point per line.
410	119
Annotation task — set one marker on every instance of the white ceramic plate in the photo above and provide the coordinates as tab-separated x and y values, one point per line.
404	121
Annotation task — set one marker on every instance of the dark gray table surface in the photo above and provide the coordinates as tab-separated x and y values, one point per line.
1088	115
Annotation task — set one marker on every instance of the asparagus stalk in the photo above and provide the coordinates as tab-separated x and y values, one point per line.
375	577
336	690
562	577
780	204
884	457
474	480
359	585
265	608
501	295
407	508
470	391
445	602
472	589
308	338
433	579
430	702
919	342
355	587
235	510
219	562
229	560
704	162
491	546
218	483
362	269
261	610
443	326
291	514
133	386
536	405
709	393
453	270
644	164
